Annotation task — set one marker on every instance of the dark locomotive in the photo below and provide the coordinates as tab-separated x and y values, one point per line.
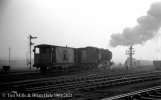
64	58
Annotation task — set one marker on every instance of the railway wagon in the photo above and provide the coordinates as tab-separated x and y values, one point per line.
64	58
87	57
55	57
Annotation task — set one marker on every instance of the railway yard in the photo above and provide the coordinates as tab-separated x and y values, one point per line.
81	74
114	84
80	50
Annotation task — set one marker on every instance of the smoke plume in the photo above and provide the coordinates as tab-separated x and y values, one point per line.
146	29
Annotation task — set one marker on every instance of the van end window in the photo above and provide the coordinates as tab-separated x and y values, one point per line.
37	50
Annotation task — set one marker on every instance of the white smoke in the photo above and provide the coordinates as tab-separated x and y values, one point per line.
146	28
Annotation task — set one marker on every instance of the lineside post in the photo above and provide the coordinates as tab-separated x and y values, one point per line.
30	44
130	52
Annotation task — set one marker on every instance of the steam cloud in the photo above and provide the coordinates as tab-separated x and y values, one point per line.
146	29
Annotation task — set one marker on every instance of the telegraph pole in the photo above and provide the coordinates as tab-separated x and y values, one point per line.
130	52
9	55
30	44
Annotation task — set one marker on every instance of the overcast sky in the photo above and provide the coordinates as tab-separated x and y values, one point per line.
75	23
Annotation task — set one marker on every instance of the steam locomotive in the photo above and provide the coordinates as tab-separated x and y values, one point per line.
64	58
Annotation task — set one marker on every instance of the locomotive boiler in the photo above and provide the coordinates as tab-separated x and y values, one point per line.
63	58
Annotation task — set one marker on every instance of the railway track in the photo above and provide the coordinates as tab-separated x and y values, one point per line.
79	85
58	80
102	81
19	76
11	77
108	84
153	93
34	75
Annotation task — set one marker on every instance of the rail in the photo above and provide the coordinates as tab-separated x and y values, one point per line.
132	93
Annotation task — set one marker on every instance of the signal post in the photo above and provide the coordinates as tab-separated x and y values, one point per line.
130	52
30	44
